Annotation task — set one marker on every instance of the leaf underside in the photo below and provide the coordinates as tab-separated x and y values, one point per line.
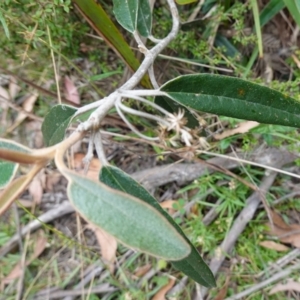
8	169
127	218
193	265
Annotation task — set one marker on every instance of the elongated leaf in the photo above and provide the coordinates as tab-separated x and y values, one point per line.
104	75
193	265
235	98
102	24
185	2
144	22
4	25
293	7
255	12
9	169
127	218
56	123
272	8
126	12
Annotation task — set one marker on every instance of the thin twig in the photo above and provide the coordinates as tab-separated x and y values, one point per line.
252	163
243	219
20	286
101	289
61	210
279	264
54	66
265	283
238	226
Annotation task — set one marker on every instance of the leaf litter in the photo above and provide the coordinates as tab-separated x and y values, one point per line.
286	233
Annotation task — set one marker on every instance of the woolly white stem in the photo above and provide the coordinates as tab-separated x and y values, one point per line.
100	112
155	106
133	128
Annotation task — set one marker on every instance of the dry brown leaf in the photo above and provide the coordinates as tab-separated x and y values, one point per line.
13	87
223	291
278	220
107	243
274	246
161	294
52	179
141	271
28	105
39	241
36	187
71	91
4	97
243	127
289	234
25	203
168	204
94	166
291	285
33	129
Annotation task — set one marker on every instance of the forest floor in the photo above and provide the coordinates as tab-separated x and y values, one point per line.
247	179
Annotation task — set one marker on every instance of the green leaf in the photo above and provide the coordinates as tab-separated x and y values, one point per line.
4	25
104	75
56	123
293	7
127	218
144	21
185	2
103	25
272	8
222	41
126	12
233	97
255	12
193	265
9	169
134	15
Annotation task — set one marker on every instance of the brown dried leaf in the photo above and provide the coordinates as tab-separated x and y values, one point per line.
141	271
28	105
25	203
39	241
36	187
291	285
94	166
278	220
13	87
243	127
33	128
4	95
4	98
107	243
168	204
71	91
289	234
161	294
51	180
274	246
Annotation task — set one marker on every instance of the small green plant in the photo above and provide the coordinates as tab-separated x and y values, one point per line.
116	202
